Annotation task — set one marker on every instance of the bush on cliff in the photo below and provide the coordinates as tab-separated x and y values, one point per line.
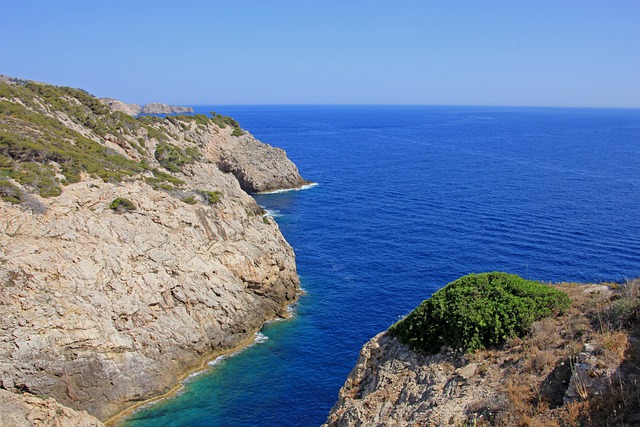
120	204
478	310
172	157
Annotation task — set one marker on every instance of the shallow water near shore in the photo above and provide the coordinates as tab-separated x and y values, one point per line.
409	199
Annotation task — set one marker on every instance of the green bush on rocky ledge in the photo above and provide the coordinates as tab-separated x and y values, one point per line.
478	310
120	204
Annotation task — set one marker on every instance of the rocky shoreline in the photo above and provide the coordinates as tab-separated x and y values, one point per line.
116	287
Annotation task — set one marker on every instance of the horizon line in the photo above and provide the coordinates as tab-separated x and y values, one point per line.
408	105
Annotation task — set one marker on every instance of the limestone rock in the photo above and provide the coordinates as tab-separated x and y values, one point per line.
115	105
23	410
393	386
258	167
101	309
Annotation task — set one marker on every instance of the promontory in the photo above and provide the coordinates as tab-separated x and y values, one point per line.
130	251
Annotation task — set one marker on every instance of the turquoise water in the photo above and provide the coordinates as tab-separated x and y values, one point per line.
410	198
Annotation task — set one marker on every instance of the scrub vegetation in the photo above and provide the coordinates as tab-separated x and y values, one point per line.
50	136
593	349
561	355
477	311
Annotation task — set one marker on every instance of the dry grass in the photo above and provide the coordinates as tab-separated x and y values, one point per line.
535	372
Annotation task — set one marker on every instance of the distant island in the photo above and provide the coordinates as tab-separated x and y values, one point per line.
153	108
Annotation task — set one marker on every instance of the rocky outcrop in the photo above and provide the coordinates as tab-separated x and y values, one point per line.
101	308
257	166
26	410
568	370
392	385
153	108
115	105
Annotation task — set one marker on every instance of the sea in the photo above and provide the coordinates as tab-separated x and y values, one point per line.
408	199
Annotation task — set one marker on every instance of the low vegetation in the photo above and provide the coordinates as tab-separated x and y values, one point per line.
172	157
477	311
50	136
600	332
121	204
211	197
9	192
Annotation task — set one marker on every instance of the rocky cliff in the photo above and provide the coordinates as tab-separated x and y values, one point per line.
578	369
128	257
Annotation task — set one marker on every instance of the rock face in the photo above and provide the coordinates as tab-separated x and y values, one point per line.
102	308
24	410
394	386
257	166
99	308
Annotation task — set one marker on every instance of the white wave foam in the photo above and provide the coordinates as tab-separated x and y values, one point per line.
273	213
291	311
217	360
192	376
260	338
286	190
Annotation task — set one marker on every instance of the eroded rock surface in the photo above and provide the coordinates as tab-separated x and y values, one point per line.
101	308
258	167
25	410
392	385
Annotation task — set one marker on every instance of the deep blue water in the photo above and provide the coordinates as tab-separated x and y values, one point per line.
409	199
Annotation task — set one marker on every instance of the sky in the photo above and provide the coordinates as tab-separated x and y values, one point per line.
583	53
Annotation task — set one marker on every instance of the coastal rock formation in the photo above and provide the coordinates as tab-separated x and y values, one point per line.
568	371
257	166
27	410
115	105
393	386
153	108
130	262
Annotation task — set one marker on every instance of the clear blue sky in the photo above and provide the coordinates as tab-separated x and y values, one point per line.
473	52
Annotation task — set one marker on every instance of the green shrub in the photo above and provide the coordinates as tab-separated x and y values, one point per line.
9	192
39	177
478	310
201	119
163	181
172	157
120	204
154	133
211	197
237	132
190	200
223	121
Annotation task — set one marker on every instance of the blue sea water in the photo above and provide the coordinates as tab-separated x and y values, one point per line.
409	199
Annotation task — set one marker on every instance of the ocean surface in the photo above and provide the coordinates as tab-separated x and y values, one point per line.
409	199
